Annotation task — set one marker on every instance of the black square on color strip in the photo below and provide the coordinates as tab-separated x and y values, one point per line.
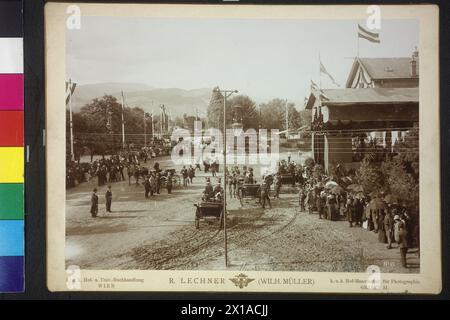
11	19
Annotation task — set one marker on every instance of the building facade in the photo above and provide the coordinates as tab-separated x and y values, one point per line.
378	106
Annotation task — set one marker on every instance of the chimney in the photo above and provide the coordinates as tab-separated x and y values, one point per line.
414	59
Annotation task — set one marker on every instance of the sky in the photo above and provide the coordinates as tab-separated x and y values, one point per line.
263	59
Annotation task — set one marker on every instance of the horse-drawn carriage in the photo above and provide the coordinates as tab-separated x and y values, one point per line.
287	178
176	180
252	191
206	209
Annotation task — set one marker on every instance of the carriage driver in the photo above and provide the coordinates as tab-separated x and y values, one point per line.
218	191
208	192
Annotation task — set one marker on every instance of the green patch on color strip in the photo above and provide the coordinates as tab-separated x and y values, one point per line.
11	201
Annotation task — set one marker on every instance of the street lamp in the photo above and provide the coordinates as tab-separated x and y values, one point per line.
226	94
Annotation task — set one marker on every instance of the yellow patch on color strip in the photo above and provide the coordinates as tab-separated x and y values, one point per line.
11	165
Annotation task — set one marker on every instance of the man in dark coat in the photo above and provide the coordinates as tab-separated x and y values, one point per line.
277	186
147	187
94	203
350	210
169	183
157	182
108	197
403	241
208	192
184	174
389	226
265	195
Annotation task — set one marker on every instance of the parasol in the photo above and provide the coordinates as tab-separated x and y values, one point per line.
330	184
359	195
337	190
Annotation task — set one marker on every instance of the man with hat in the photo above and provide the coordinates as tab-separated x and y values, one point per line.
94	203
265	195
108	197
402	239
389	226
218	191
208	191
147	186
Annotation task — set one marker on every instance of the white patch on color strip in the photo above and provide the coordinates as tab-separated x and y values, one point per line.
11	55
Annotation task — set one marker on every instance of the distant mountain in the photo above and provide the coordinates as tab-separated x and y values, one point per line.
178	101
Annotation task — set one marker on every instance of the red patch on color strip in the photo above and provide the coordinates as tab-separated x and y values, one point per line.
11	92
11	129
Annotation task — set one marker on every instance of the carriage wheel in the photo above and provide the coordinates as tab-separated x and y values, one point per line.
197	219
221	220
197	222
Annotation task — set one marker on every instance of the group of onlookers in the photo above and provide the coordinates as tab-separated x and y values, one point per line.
390	221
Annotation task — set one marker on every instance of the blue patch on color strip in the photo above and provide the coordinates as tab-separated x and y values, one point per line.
11	238
11	274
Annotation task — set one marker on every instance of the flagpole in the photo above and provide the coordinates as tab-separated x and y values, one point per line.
153	126
72	156
145	130
357	46
287	120
320	76
161	122
123	126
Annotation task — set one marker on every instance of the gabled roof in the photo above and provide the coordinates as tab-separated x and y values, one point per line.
383	68
353	96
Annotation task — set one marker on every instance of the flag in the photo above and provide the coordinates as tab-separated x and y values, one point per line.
323	96
324	70
70	88
370	36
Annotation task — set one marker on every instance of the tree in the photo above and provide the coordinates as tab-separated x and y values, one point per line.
402	171
369	176
273	114
215	110
305	117
294	118
103	115
247	107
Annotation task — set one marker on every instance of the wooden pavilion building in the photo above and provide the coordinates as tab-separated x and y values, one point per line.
379	104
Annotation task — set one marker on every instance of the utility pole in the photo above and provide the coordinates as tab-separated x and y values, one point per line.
162	119
226	94
123	125
145	129
72	155
287	120
153	124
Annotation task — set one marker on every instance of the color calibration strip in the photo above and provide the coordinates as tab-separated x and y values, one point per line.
11	148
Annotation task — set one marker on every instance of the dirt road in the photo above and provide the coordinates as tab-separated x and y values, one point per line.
159	233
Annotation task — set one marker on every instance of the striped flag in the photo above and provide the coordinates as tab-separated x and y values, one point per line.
314	86
70	88
324	70
370	36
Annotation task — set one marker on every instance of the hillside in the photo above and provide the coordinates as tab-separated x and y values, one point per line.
178	101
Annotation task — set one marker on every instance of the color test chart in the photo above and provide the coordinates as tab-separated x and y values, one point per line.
11	148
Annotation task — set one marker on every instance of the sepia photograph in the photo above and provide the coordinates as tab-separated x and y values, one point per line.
241	144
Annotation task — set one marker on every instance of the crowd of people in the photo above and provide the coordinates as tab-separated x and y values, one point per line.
320	194
330	197
377	212
113	168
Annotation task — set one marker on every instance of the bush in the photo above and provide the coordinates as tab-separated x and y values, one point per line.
309	162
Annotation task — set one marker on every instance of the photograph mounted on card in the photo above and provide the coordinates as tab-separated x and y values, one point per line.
230	148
